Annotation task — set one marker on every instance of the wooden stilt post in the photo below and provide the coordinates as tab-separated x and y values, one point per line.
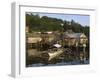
76	50
84	51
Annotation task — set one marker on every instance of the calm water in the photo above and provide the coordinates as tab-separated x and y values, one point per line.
61	63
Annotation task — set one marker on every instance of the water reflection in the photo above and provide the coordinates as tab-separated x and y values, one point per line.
77	56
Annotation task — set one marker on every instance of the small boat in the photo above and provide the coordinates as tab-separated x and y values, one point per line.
49	55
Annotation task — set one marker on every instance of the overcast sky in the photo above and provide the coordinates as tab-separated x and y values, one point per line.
82	19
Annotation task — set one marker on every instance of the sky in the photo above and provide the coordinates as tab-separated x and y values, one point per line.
81	19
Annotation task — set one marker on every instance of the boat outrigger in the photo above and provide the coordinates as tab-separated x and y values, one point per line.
47	56
54	54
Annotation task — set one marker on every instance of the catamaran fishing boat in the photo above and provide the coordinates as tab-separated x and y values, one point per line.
49	55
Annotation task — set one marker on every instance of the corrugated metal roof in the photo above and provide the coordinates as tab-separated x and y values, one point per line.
74	35
34	40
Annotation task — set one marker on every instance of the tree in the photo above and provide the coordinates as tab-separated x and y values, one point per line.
45	23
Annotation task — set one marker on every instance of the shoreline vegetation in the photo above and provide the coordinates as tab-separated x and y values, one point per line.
52	41
44	24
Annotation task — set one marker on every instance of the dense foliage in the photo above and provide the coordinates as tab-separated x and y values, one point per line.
44	23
